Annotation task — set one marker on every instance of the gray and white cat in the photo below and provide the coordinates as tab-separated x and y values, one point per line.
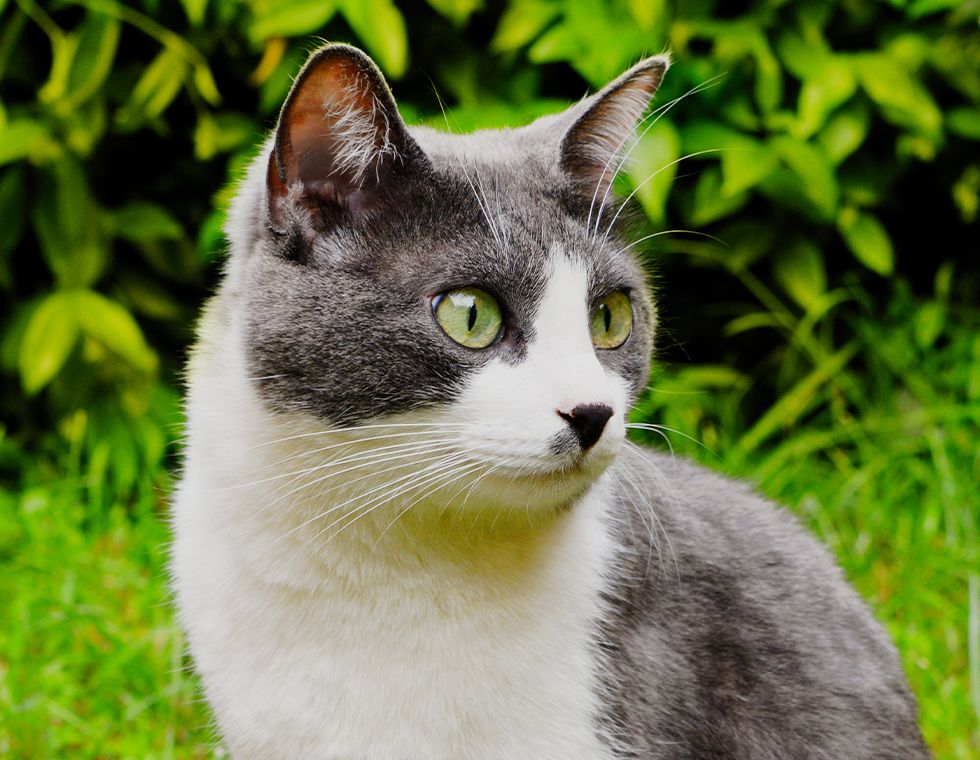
409	525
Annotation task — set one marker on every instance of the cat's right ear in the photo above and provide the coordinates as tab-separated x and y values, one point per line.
339	139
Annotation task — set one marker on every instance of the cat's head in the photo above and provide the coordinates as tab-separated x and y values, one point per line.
464	294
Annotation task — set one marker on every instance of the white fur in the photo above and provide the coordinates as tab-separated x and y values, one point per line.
459	628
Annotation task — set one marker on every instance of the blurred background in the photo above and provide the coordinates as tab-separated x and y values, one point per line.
823	342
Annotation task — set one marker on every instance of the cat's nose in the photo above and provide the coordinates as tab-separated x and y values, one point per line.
587	421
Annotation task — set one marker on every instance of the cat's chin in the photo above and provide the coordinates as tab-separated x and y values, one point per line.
541	490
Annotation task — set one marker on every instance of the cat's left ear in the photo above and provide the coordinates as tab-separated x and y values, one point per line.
340	138
592	147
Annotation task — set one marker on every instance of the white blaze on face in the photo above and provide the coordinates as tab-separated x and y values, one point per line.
511	411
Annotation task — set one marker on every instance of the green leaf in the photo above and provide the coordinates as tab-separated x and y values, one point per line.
966	193
699	136
930	319
744	168
98	41
195	10
211	242
921	8
964	122
66	222
653	157
709	204
234	131
768	77
800	271
820	95
845	132
745	162
294	19
205	85
753	321
152	299
902	98
380	26
47	342
156	88
23	138
109	323
86	127
710	376
456	10
804	59
868	240
558	43
145	222
523	22
749	240
809	163
63	50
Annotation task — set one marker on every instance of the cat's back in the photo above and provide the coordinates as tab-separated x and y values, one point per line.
733	633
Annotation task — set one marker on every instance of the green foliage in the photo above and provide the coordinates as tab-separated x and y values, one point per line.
822	154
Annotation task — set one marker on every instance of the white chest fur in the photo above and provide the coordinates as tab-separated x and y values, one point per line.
379	650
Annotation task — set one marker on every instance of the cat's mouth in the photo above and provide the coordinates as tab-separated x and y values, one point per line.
569	471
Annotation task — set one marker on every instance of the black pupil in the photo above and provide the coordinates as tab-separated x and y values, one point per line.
472	318
606	315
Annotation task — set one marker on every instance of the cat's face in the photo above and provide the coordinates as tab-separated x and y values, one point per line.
457	292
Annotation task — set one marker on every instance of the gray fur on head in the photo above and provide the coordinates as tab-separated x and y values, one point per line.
366	219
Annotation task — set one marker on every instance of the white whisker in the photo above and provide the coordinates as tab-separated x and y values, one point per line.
431	474
357	428
661	428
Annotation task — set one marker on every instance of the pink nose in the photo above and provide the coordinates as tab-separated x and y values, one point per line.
587	421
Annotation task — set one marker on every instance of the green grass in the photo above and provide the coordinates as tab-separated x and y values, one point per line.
91	662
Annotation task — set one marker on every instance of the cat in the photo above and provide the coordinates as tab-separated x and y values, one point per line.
409	525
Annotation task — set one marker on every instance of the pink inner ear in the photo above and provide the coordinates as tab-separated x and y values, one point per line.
332	125
339	135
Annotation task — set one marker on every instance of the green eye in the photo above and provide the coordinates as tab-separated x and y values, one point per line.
469	316
612	321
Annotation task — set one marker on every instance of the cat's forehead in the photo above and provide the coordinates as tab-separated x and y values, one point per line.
505	148
498	199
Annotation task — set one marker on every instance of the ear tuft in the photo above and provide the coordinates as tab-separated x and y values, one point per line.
339	134
591	149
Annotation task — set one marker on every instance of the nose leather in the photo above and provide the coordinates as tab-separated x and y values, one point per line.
587	421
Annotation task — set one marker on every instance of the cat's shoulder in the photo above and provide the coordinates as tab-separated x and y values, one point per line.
734	616
715	546
709	513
